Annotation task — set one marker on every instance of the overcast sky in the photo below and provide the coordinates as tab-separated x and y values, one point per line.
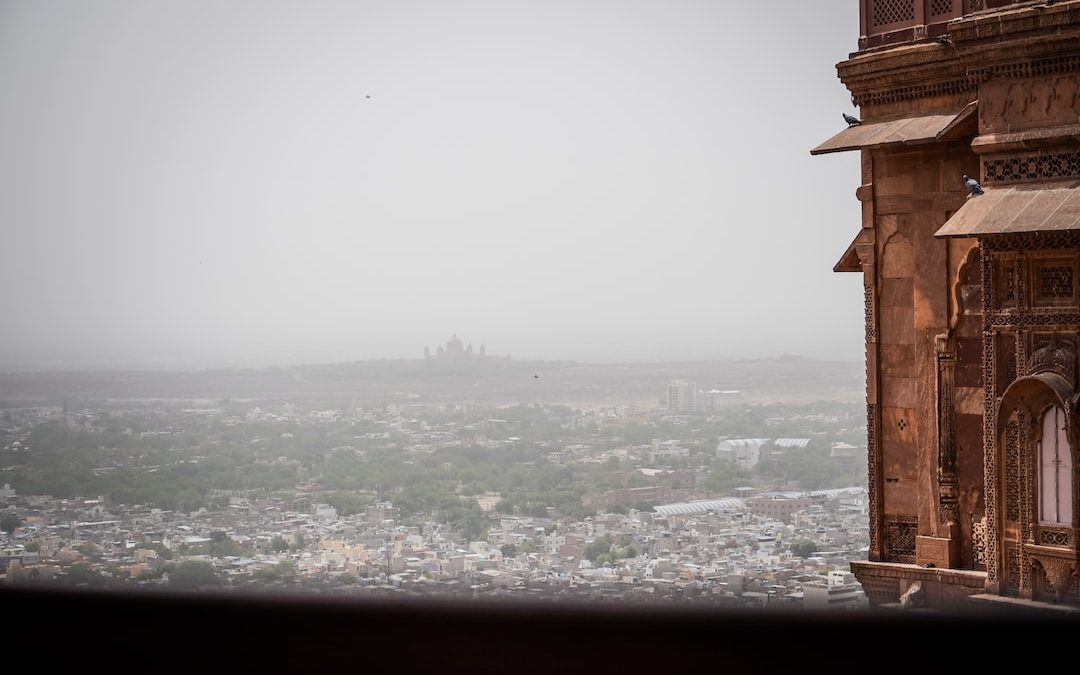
228	183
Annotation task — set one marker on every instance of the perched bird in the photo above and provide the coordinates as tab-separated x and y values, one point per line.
973	186
851	121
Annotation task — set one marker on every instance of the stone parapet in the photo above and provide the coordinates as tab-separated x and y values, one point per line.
946	589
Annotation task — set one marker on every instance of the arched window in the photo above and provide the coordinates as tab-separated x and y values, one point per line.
1055	470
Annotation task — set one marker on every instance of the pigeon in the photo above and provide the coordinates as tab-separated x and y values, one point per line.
852	121
973	186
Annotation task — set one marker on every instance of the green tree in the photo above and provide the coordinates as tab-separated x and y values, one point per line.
225	548
804	548
601	546
32	547
152	574
9	521
194	574
87	548
275	572
508	550
81	573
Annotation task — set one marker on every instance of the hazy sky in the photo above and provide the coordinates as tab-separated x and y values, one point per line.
204	183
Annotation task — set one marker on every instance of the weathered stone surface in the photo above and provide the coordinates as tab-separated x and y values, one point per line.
897	360
898	391
897	292
897	325
898	258
968	401
894	185
969	362
927	176
894	205
901	496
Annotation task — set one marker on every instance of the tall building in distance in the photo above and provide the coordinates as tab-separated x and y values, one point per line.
682	396
972	313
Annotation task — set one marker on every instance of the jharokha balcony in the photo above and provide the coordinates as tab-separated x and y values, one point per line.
891	22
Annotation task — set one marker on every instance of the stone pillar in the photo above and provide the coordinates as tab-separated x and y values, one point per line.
873	425
942	549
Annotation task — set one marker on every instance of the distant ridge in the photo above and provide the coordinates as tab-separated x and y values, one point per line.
497	380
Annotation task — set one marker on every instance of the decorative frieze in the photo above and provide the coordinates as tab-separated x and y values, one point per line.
1031	168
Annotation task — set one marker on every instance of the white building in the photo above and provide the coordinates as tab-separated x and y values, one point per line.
840	591
744	452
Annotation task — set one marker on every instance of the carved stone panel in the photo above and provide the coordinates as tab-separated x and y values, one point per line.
900	534
1007	105
1052	354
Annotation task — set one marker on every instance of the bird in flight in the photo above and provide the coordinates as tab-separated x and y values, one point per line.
973	186
851	121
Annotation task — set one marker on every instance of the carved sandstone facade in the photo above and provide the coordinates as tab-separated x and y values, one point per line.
971	305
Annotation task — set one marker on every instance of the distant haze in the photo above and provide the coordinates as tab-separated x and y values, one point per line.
265	182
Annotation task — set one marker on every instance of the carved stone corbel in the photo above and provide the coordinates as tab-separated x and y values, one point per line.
1058	571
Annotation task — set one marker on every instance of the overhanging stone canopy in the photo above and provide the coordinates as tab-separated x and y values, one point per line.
1023	208
905	131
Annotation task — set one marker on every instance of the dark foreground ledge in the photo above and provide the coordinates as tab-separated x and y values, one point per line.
167	632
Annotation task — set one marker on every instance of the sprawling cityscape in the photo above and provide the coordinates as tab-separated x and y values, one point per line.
701	497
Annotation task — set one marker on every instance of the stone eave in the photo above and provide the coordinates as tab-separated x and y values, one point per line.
904	64
906	71
889	59
850	261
